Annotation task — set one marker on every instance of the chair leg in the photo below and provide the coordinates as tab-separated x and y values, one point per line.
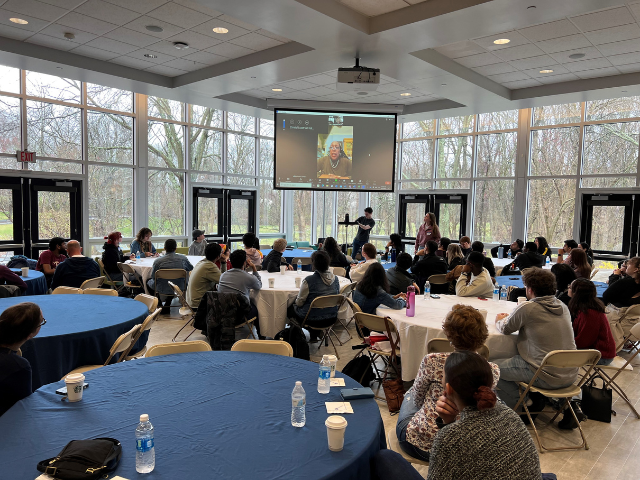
187	337
334	346
183	327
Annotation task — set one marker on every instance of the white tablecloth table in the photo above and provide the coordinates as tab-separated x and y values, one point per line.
144	267
415	332
503	262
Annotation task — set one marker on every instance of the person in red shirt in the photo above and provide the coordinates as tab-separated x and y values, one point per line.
50	259
7	277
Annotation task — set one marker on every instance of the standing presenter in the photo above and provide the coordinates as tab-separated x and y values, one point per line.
428	231
365	224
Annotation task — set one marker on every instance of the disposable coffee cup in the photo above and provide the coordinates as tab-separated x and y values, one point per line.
483	312
521	300
75	386
283	268
333	360
25	271
298	282
336	426
272	282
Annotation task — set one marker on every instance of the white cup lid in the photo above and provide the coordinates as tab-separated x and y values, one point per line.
74	378
336	422
332	358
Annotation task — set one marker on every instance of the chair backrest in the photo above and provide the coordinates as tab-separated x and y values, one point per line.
304	261
178	347
144	326
347	289
327	301
439	345
171	273
306	248
354	306
103	272
126	268
635	332
122	343
439	279
180	294
302	244
66	291
375	322
484	352
265	247
275	347
148	300
92	283
570	358
339	271
593	273
100	291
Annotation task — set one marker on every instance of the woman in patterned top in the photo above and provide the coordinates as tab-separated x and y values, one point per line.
416	429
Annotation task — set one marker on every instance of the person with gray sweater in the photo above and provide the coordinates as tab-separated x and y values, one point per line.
543	324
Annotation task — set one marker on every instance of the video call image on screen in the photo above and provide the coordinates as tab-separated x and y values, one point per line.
326	151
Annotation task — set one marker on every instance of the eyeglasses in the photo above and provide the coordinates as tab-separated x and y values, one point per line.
43	322
334	147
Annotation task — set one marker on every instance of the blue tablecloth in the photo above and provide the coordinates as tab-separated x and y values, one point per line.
289	255
222	415
80	330
36	282
517	282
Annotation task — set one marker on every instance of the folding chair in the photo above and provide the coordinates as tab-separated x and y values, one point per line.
185	310
146	325
442	345
150	301
303	261
559	359
127	272
339	271
92	283
593	273
325	325
385	325
265	247
122	344
100	291
274	347
66	291
117	285
346	291
169	274
437	280
178	347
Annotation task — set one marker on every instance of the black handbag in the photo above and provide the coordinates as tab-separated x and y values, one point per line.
84	459
596	402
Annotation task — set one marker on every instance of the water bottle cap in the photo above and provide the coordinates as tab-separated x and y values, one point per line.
144	417
298	383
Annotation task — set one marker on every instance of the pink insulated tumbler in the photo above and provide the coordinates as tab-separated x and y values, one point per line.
411	301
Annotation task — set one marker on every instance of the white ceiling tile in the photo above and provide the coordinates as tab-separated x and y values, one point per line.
589	53
167	71
107	12
111	45
319	91
522	84
301	96
460	49
479	60
92	52
140	6
206	58
515	38
321	79
629	68
160	57
635	8
15	33
371	8
562	44
269	34
36	9
588	64
255	41
495	69
533	62
55	30
82	22
186	65
624	59
178	15
66	4
168	48
195	40
229	50
545	31
254	93
600	72
131	37
614	34
132	62
34	25
508	77
603	19
139	24
298	84
198	7
207	29
618	48
557	70
52	42
239	23
519	52
391	88
566	77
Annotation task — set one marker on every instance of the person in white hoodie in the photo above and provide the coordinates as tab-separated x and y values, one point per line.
357	269
543	324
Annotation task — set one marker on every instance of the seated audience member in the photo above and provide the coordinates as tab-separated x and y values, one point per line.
357	269
76	269
465	245
429	264
622	293
564	276
321	283
543	325
395	241
566	250
580	264
143	244
619	273
271	263
198	245
7	277
454	256
237	280
112	254
487	263
50	259
587	249
443	245
527	259
171	259
513	249
338	259
474	446
205	274
543	247
373	291
399	277
474	280
18	323
252	247
416	428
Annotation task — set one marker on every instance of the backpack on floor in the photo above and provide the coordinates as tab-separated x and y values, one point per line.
295	337
360	370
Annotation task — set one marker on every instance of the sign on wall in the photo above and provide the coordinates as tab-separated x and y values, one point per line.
25	156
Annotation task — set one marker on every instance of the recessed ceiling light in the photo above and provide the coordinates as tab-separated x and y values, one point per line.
576	56
150	55
154	28
363	93
405	94
69	36
181	45
546	71
221	30
276	89
60	68
531	7
253	77
501	41
19	21
443	84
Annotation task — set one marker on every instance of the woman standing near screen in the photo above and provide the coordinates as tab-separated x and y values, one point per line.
428	231
336	164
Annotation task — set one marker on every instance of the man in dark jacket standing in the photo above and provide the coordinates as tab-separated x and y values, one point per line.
76	269
430	264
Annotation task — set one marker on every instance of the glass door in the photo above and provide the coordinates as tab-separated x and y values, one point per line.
450	212
208	213
11	232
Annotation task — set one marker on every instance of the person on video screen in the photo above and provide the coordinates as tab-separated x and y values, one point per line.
336	164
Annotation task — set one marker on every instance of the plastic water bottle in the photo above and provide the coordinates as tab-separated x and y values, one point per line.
509	254
548	261
496	292
138	255
324	376
379	258
299	266
298	401
145	451
500	251
503	293
427	290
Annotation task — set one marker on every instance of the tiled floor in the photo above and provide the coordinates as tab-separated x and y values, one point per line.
614	451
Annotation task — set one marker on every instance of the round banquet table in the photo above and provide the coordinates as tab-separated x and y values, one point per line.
272	303
517	282
215	415
144	267
80	330
415	332
36	282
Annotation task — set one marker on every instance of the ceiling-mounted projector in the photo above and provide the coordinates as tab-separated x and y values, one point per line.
358	79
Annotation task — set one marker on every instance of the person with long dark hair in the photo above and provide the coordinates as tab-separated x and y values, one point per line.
338	259
395	241
587	249
373	291
564	276
543	247
428	231
143	244
580	264
454	256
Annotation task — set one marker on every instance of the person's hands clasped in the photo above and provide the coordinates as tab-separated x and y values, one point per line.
446	409
401	295
250	264
500	316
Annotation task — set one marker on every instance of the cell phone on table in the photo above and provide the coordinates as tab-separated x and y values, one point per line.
433	295
485	299
63	390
